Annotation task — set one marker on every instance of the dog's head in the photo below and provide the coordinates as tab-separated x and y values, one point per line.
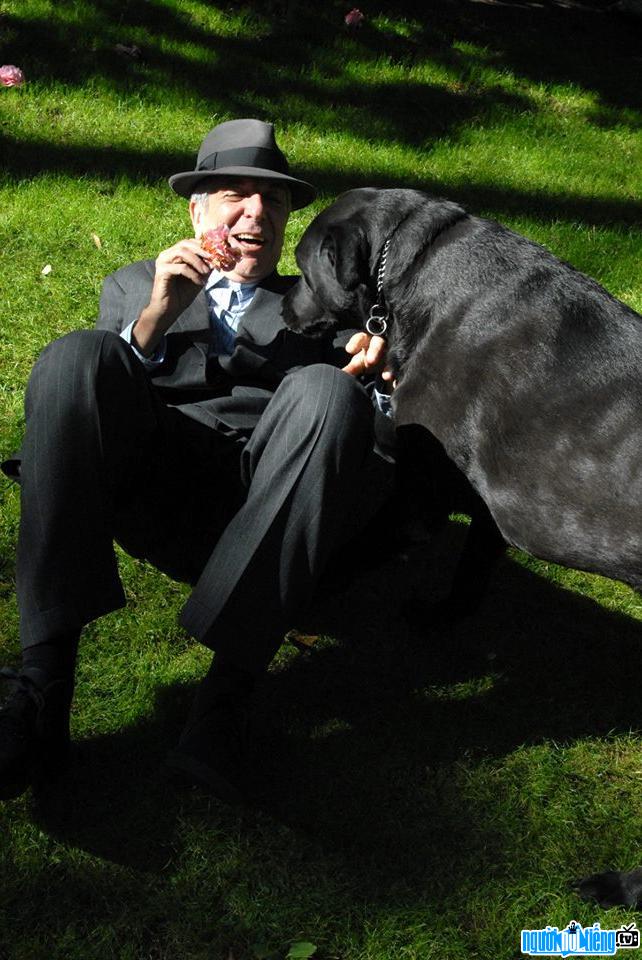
338	254
333	257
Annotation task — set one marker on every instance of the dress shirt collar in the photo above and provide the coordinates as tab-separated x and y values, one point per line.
220	289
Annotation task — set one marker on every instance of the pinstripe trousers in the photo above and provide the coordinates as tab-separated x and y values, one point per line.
250	522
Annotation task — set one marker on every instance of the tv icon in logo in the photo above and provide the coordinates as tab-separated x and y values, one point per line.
627	938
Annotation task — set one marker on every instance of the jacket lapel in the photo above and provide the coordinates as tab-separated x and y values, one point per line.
262	321
258	337
195	320
259	329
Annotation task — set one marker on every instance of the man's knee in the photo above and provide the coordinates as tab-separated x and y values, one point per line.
78	349
322	391
71	364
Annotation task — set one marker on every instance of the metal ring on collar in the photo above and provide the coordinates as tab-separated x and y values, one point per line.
377	323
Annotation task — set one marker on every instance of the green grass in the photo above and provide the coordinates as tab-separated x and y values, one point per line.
429	791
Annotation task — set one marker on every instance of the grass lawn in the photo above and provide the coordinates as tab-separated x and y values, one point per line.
428	792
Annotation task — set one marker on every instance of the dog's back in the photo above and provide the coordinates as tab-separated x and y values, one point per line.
528	372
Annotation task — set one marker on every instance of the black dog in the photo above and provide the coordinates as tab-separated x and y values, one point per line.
522	376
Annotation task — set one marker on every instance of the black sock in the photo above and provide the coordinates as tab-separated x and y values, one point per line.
55	659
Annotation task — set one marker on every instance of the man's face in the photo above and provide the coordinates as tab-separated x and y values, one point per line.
256	211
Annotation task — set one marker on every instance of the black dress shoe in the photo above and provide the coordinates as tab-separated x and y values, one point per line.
34	731
212	750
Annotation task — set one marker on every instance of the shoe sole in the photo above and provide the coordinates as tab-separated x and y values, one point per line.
200	773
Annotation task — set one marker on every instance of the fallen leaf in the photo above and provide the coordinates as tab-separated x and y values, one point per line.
46	270
132	51
97	240
301	639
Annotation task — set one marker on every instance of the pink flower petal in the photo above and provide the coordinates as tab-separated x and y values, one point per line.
354	18
223	256
11	76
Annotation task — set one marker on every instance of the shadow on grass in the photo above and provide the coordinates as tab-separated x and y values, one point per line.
546	42
358	743
588	44
378	724
592	50
26	160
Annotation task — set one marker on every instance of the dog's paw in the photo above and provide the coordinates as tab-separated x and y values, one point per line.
612	888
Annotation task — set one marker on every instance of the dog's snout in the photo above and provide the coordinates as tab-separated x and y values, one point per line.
303	313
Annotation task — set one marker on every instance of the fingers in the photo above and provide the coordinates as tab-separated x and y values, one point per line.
357	342
182	270
357	365
368	354
357	346
186	253
375	352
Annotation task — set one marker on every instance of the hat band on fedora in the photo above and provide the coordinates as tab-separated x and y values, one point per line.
260	157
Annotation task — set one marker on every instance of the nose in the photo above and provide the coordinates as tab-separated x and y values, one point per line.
254	206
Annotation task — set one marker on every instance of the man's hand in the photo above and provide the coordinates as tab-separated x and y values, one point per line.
181	272
368	354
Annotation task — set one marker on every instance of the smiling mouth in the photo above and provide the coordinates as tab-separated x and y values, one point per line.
249	242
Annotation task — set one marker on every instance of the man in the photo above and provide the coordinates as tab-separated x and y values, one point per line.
201	434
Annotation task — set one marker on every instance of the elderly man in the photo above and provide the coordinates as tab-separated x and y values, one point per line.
197	431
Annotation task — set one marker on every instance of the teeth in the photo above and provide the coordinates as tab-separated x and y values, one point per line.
248	236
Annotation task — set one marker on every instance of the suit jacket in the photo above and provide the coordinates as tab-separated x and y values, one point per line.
230	390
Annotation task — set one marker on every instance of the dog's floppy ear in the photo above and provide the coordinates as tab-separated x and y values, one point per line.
332	260
345	247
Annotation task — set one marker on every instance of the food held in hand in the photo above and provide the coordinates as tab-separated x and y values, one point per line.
215	242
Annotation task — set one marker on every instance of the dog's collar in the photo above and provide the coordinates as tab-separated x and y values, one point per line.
379	316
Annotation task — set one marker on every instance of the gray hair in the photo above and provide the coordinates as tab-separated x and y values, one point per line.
201	200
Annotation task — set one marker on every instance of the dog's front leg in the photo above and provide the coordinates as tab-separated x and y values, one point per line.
429	488
483	548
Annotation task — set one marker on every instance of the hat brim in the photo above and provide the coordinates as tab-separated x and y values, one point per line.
193	181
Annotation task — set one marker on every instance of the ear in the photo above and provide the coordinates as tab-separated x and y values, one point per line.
330	258
196	213
346	250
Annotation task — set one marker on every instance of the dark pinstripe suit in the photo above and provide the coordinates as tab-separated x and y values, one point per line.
239	475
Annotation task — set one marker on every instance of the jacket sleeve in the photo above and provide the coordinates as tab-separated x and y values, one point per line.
124	294
112	306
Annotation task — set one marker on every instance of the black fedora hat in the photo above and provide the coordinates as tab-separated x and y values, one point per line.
241	148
